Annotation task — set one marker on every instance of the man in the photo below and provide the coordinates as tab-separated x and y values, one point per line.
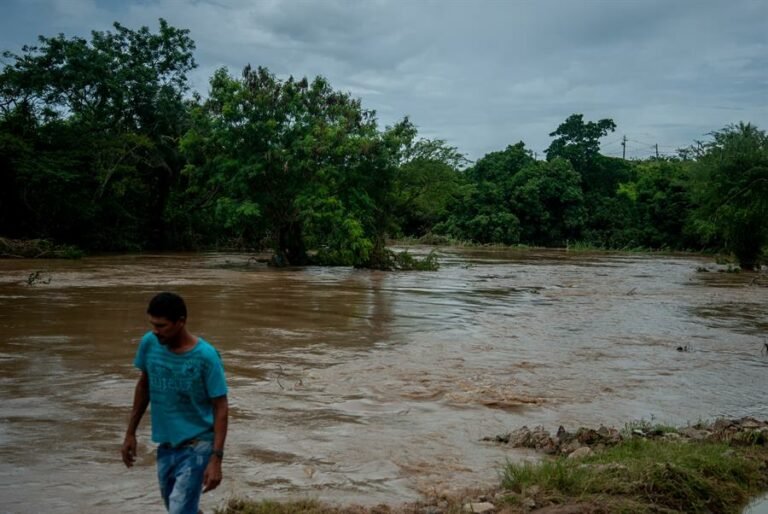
183	377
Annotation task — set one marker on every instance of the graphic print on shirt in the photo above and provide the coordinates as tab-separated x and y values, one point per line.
165	379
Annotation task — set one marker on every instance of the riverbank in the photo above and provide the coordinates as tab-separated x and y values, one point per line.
573	247
643	468
37	249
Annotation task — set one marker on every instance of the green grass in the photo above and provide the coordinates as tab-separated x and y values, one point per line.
273	507
649	476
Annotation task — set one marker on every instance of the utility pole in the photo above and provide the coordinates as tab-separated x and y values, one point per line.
624	147
657	150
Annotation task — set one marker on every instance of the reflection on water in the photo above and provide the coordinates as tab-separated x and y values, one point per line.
758	506
363	386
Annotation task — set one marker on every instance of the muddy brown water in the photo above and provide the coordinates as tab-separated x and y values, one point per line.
359	386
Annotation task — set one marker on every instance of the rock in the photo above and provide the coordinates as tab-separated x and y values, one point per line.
588	436
614	436
721	425
584	451
550	447
529	503
751	423
541	440
537	438
563	435
520	438
694	433
570	447
479	507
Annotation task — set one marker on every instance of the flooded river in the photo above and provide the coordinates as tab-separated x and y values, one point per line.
359	386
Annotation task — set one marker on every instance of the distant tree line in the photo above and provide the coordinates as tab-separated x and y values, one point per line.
104	146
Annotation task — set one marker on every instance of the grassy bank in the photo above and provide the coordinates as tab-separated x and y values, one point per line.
570	246
713	468
644	476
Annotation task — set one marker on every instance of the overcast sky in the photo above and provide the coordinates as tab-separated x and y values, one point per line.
479	74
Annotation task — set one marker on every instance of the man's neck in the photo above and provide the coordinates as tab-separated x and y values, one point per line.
183	343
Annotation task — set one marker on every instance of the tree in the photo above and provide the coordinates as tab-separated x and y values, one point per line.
609	215
549	203
104	117
485	213
303	164
732	188
663	203
427	182
579	142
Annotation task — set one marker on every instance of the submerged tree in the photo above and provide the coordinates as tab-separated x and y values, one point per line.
299	163
732	187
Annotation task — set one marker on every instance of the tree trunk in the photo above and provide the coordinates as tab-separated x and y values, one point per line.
290	249
379	255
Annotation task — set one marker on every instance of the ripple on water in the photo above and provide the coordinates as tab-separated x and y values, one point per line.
365	386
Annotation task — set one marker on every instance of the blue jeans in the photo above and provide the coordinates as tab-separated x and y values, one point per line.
180	472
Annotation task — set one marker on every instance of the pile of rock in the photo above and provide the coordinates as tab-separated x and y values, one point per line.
744	431
562	443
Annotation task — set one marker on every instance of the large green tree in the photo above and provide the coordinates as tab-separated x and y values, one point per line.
298	163
609	215
731	176
486	212
579	142
548	201
427	182
663	204
92	129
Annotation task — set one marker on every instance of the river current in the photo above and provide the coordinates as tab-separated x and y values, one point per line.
359	386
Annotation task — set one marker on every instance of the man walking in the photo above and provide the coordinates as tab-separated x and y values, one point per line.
183	377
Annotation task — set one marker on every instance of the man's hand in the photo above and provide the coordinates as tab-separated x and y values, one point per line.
129	450
140	403
212	476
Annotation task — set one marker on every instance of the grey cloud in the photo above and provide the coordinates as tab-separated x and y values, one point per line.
480	74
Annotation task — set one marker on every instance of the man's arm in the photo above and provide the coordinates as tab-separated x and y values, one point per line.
212	476
140	403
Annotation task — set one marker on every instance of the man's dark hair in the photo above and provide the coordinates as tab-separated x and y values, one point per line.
169	306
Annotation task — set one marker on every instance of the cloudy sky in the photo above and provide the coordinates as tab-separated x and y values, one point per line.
479	74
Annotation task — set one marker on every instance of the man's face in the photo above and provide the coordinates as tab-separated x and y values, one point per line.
164	329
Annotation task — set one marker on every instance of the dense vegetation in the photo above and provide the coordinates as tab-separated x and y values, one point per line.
103	146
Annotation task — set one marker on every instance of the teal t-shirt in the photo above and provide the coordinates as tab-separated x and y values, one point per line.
181	387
